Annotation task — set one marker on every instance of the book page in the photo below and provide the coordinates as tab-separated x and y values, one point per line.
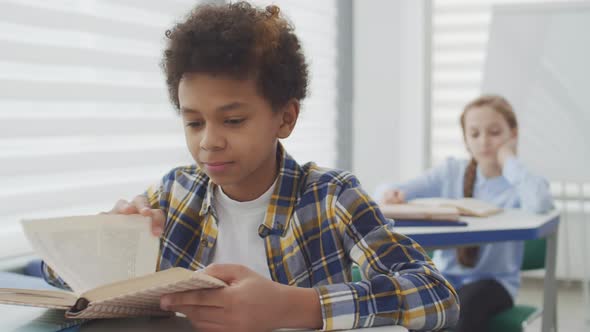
90	251
141	296
37	298
477	207
466	206
433	201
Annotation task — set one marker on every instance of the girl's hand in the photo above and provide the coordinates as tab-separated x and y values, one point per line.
250	302
393	197
507	150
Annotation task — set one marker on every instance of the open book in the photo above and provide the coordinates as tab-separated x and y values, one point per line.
109	262
419	212
465	206
439	209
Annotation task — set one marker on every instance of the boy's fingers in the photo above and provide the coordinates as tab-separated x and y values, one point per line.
157	217
141	203
204	297
123	207
227	272
158	221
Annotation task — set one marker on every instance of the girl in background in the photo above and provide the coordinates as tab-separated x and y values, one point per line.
487	277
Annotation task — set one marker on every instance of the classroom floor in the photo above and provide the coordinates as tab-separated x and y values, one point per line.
572	315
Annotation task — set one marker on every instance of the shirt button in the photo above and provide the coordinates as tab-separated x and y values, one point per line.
204	243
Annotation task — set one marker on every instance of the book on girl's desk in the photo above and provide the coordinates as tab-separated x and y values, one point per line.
408	215
419	212
109	262
465	206
437	211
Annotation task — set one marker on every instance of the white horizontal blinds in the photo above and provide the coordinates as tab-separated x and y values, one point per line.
460	35
314	137
84	113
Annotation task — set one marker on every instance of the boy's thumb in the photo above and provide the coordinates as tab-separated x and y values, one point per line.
227	272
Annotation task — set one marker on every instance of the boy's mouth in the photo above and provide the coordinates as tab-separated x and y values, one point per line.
217	166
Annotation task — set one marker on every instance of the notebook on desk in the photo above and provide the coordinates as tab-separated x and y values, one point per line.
427	223
437	211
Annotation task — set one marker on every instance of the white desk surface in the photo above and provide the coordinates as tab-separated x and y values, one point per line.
19	318
508	219
509	225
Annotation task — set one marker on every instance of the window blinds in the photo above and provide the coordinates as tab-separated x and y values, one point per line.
84	112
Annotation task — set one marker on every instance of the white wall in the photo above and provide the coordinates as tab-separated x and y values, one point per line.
389	114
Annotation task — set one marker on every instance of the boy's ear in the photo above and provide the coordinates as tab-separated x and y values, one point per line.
514	132
289	116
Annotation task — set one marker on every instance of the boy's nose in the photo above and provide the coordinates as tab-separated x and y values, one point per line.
211	140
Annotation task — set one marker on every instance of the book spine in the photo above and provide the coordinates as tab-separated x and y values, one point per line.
80	305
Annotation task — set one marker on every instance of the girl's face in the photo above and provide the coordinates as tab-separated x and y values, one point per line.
486	130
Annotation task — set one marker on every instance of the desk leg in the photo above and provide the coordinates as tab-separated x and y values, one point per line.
550	286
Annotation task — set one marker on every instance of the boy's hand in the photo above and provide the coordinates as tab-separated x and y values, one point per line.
393	197
250	303
140	205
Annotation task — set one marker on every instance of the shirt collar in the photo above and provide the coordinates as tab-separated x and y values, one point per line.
283	200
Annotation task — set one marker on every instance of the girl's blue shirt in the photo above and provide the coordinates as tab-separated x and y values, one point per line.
515	188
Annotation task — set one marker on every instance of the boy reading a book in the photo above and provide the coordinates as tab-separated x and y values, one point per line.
494	174
289	232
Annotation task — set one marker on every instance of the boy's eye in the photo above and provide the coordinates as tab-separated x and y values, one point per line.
234	121
194	124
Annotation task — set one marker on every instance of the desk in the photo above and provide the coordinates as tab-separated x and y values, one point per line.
510	225
177	324
31	319
17	318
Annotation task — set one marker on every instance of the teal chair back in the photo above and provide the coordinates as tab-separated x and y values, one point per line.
534	255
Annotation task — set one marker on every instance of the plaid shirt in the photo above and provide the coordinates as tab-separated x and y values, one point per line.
317	224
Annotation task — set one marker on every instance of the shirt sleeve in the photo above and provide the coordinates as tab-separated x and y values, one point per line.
401	286
158	194
429	184
533	191
153	195
52	278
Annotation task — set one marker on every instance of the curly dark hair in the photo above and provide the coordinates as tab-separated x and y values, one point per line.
243	42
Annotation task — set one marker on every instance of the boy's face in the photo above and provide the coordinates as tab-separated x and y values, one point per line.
232	132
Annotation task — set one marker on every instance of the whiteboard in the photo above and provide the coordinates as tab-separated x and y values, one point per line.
538	57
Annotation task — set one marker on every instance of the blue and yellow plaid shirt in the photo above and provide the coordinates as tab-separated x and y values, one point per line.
318	223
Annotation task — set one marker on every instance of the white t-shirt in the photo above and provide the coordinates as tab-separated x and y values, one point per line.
238	241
